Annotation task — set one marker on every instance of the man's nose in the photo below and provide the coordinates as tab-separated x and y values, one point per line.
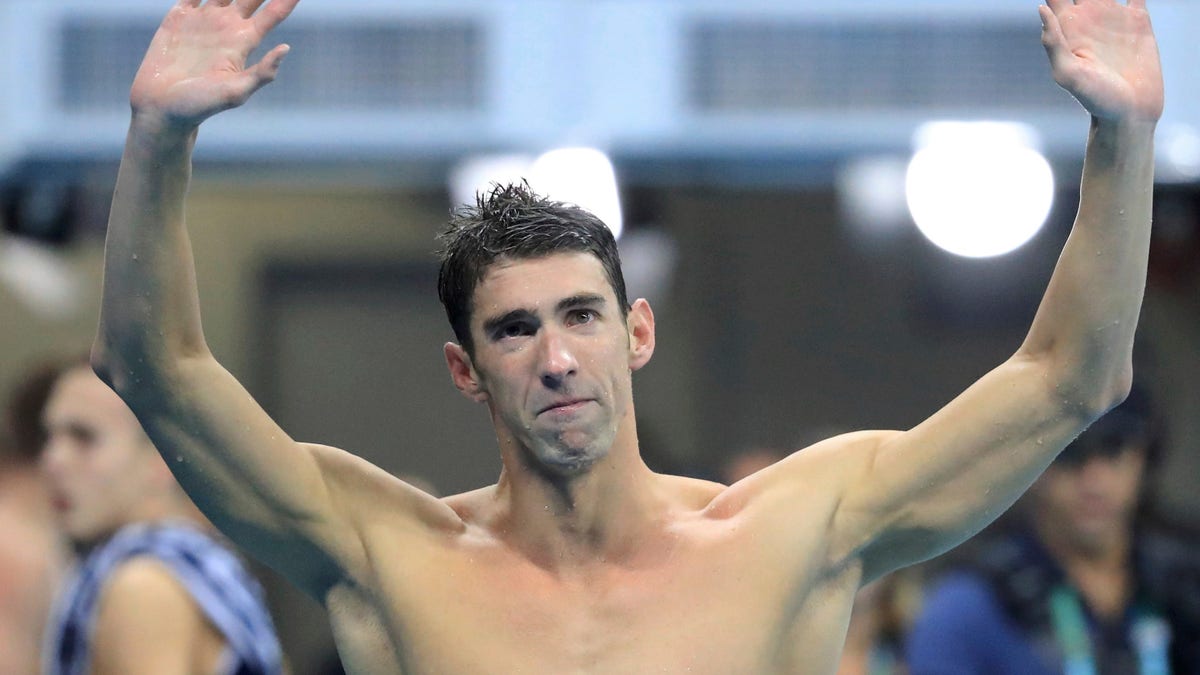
1097	467
50	461
558	361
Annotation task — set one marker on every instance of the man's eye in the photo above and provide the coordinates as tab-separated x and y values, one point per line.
582	316
514	330
81	437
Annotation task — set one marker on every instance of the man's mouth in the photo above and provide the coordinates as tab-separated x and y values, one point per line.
566	406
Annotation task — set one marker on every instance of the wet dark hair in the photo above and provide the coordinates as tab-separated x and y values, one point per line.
512	222
1132	424
26	401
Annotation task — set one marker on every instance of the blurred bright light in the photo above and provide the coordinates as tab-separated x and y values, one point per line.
477	174
580	176
1181	151
40	278
978	189
871	195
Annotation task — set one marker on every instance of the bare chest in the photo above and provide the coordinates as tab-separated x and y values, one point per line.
713	609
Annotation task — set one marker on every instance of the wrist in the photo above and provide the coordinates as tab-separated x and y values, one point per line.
1128	127
1125	133
155	133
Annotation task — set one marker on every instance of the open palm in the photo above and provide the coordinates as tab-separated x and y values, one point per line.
196	64
1104	53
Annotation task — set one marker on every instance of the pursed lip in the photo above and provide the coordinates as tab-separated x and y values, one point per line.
60	503
565	403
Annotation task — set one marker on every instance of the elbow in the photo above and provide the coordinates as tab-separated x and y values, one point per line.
1118	390
100	360
109	366
129	369
111	352
1093	394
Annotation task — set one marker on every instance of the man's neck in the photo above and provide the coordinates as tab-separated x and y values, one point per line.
603	514
1099	569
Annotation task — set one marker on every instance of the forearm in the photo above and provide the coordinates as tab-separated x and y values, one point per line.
150	326
1085	325
149	314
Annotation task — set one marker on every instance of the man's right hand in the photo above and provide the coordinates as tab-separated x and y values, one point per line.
196	64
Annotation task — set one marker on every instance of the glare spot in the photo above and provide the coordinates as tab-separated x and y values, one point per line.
978	189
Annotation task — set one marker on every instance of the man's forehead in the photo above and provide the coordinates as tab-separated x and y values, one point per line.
535	283
79	394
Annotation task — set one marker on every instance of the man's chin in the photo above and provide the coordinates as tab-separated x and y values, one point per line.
1093	535
569	464
568	452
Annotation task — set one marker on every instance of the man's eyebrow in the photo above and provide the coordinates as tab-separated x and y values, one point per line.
494	323
580	300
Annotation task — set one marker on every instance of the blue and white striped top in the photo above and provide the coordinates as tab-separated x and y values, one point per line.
221	586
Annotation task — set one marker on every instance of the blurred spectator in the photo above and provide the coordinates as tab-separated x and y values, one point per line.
31	562
155	592
883	612
748	460
32	556
1079	585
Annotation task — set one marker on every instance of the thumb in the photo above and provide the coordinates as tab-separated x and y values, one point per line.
264	72
1054	41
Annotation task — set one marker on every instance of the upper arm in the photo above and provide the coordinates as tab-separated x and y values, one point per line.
914	494
268	493
146	622
299	507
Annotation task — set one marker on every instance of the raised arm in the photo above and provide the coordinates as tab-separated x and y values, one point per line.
914	494
284	501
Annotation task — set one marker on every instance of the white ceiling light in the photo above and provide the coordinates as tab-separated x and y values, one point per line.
1180	154
476	175
580	176
978	189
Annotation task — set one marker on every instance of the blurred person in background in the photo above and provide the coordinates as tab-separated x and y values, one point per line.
750	460
33	557
155	591
883	613
1080	585
580	558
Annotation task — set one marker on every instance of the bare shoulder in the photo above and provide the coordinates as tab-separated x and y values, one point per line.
817	474
145	619
692	494
144	581
469	505
367	493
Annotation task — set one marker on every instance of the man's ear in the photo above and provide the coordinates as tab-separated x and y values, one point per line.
640	323
462	372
